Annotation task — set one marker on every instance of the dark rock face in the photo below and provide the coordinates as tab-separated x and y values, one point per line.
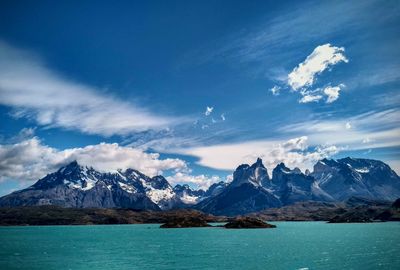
185	222
244	194
331	181
293	186
237	200
255	174
248	223
216	189
396	204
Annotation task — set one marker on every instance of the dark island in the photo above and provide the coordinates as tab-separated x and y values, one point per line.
186	222
247	223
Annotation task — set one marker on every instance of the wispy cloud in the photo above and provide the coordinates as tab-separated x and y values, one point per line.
37	93
366	131
307	98
294	152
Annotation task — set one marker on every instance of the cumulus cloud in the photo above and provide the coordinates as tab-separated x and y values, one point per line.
332	93
323	57
294	152
30	159
199	181
208	111
37	93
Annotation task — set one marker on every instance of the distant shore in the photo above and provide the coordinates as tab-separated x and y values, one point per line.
304	211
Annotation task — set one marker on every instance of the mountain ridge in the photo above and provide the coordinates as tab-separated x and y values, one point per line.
251	190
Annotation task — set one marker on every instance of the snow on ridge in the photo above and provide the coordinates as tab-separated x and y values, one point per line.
159	195
188	199
127	188
362	170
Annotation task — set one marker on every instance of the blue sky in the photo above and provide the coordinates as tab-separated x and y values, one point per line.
191	90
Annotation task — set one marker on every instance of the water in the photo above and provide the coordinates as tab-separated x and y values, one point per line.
293	245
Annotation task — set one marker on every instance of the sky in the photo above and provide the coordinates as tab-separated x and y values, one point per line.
192	89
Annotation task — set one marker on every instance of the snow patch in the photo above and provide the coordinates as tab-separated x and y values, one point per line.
127	188
362	170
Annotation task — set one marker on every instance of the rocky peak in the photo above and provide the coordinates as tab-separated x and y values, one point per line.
216	188
258	163
279	169
255	174
72	167
159	182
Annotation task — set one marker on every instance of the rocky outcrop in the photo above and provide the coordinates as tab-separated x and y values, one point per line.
247	223
186	222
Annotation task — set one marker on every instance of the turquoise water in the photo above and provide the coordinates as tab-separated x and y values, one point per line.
293	245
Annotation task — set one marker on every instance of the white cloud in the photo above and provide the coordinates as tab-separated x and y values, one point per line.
199	181
294	152
208	111
275	90
371	130
35	92
30	159
223	117
310	98
332	93
348	125
323	57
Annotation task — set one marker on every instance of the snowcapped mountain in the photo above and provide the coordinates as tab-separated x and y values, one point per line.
251	189
82	187
187	195
348	177
244	194
331	180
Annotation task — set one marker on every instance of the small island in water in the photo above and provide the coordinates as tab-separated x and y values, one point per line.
198	221
186	222
248	223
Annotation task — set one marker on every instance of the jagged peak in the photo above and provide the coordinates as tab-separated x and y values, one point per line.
281	166
297	170
258	163
72	166
242	166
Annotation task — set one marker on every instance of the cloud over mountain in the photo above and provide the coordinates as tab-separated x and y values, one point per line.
30	159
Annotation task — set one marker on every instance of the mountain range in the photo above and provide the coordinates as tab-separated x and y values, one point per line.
251	190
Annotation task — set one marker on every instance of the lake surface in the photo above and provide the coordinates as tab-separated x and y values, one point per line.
292	245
